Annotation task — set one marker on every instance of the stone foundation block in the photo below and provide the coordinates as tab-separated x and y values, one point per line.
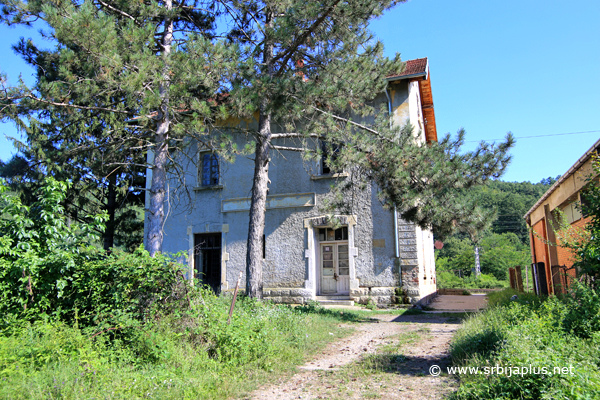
407	242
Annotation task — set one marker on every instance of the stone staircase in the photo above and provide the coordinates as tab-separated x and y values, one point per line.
335	300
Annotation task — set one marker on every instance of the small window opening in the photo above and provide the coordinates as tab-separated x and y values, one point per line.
330	152
329	234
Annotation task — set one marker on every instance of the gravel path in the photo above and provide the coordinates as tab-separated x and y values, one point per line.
339	372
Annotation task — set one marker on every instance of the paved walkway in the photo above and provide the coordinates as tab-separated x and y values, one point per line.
446	302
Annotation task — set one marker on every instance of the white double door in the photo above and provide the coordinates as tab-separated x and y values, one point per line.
335	268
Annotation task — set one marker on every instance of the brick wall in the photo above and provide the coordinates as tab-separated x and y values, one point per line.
565	256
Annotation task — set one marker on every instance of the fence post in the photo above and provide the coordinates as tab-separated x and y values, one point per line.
237	286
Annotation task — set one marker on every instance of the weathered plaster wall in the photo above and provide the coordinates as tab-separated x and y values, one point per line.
287	278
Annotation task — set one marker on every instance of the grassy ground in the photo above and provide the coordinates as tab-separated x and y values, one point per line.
172	358
529	341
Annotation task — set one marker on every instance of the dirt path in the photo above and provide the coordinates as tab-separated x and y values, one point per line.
388	358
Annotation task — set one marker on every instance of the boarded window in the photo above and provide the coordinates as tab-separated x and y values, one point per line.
572	212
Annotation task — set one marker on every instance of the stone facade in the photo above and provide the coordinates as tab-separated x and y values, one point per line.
375	255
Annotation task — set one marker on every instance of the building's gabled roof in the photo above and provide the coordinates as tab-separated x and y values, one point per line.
414	68
595	147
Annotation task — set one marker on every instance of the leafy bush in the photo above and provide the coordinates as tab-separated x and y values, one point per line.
531	334
447	280
191	354
505	297
49	269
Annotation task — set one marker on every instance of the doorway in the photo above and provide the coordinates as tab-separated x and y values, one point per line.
334	262
207	260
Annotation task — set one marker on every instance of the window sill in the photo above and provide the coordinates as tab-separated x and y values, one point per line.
212	187
329	176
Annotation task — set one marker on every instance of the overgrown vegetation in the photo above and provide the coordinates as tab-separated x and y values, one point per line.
528	338
503	241
541	348
77	322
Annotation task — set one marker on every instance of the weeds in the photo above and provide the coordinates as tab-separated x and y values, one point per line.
536	334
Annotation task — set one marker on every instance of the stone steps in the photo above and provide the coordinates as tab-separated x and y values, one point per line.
333	300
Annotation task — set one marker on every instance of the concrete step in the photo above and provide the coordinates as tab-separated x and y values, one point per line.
333	300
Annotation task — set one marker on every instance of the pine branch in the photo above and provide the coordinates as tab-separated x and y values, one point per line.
67	105
120	12
294	135
301	39
286	148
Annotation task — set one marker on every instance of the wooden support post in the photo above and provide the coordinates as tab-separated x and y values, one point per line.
237	286
512	278
519	274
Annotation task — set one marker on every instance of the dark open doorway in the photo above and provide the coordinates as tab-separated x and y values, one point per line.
207	259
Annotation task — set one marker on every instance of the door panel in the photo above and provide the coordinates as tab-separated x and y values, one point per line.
328	282
343	283
335	269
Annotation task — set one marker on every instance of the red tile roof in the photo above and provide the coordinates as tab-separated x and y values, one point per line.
413	67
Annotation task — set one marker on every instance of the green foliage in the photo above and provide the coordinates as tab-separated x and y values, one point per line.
582	317
190	354
448	280
587	251
498	252
531	334
77	322
48	269
510	200
506	297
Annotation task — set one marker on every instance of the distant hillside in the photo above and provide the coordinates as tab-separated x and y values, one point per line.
512	200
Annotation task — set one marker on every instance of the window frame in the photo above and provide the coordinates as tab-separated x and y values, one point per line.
213	157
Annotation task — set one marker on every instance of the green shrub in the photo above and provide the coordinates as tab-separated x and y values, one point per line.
49	269
530	334
583	310
193	353
504	297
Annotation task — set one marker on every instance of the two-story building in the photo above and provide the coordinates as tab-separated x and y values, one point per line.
369	253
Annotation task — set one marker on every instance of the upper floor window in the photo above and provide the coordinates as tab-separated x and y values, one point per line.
209	169
330	153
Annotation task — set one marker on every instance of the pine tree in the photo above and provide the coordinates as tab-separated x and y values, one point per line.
311	71
308	71
304	67
144	61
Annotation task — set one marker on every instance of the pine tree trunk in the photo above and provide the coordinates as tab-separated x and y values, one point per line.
111	206
256	228
159	177
258	202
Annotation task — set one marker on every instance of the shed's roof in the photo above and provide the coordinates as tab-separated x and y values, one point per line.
595	147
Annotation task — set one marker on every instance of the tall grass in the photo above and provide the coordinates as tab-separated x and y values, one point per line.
193	355
528	338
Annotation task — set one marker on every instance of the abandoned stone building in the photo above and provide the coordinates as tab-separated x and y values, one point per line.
373	254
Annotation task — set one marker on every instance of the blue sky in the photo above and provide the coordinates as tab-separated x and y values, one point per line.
529	67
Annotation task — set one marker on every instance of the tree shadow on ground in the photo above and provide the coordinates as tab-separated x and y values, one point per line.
417	316
400	364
